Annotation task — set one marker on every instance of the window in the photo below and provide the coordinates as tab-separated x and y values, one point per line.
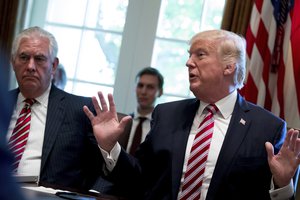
103	44
178	21
89	34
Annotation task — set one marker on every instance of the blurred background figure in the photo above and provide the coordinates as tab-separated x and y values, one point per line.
149	87
60	77
9	189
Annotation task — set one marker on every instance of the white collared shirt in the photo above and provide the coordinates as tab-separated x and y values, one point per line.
30	163
145	128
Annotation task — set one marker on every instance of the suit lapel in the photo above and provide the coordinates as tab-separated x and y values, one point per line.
236	133
55	116
180	141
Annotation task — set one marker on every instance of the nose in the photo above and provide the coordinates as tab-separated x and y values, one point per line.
143	89
31	65
190	62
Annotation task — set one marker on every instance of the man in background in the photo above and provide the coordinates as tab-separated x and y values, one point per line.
60	77
149	87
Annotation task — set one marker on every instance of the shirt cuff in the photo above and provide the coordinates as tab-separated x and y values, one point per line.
285	192
112	157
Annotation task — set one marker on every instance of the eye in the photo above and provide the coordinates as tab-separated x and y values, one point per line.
23	57
151	87
140	85
40	59
200	54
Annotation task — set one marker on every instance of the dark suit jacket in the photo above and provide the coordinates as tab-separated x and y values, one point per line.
241	171
70	155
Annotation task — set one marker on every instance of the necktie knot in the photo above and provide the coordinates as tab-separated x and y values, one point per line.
212	108
142	119
29	102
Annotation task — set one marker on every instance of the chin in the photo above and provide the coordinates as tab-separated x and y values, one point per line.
29	86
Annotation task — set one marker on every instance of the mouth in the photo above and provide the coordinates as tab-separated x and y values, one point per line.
29	78
192	76
142	99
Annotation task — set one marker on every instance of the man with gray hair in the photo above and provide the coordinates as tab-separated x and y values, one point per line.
56	143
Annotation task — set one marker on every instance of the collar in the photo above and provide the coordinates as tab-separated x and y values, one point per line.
136	115
43	99
225	105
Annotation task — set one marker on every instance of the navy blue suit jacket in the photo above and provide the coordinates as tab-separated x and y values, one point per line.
241	171
70	155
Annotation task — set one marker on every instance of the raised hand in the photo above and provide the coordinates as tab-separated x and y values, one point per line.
284	165
106	126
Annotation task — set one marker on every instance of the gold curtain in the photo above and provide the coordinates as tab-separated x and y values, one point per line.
8	19
236	15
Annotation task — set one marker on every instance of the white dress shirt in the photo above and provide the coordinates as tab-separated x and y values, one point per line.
30	163
221	123
145	128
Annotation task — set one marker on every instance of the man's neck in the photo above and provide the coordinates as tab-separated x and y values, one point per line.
144	111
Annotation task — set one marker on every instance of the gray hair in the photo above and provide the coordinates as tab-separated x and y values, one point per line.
35	31
231	48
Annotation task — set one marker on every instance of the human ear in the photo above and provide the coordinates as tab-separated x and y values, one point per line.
229	69
55	65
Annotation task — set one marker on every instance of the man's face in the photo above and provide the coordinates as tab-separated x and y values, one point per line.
206	72
33	67
147	90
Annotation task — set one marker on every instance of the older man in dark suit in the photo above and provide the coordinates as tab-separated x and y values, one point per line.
217	146
58	146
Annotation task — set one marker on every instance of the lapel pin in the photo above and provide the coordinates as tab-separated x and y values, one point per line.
242	121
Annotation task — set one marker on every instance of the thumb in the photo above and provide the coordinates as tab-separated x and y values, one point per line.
124	121
270	150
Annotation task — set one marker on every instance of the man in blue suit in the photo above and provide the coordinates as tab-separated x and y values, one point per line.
250	155
61	148
9	189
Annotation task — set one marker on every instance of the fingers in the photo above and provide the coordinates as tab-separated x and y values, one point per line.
297	148
294	136
124	121
112	106
287	139
88	113
96	105
102	101
270	150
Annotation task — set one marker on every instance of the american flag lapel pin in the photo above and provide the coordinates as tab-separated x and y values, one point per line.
242	121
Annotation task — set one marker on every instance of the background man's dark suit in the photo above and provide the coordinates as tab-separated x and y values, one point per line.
70	155
241	172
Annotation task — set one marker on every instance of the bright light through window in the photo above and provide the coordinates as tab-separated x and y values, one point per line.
178	21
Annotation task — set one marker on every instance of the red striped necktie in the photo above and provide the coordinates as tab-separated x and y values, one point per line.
19	137
193	178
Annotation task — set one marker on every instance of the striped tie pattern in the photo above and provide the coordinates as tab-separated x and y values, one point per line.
18	139
193	178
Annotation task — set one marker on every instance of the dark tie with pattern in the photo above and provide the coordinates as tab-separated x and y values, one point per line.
19	137
137	136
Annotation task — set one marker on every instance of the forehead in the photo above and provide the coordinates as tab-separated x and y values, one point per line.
148	78
34	45
199	44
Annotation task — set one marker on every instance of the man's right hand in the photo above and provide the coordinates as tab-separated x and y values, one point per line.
106	125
